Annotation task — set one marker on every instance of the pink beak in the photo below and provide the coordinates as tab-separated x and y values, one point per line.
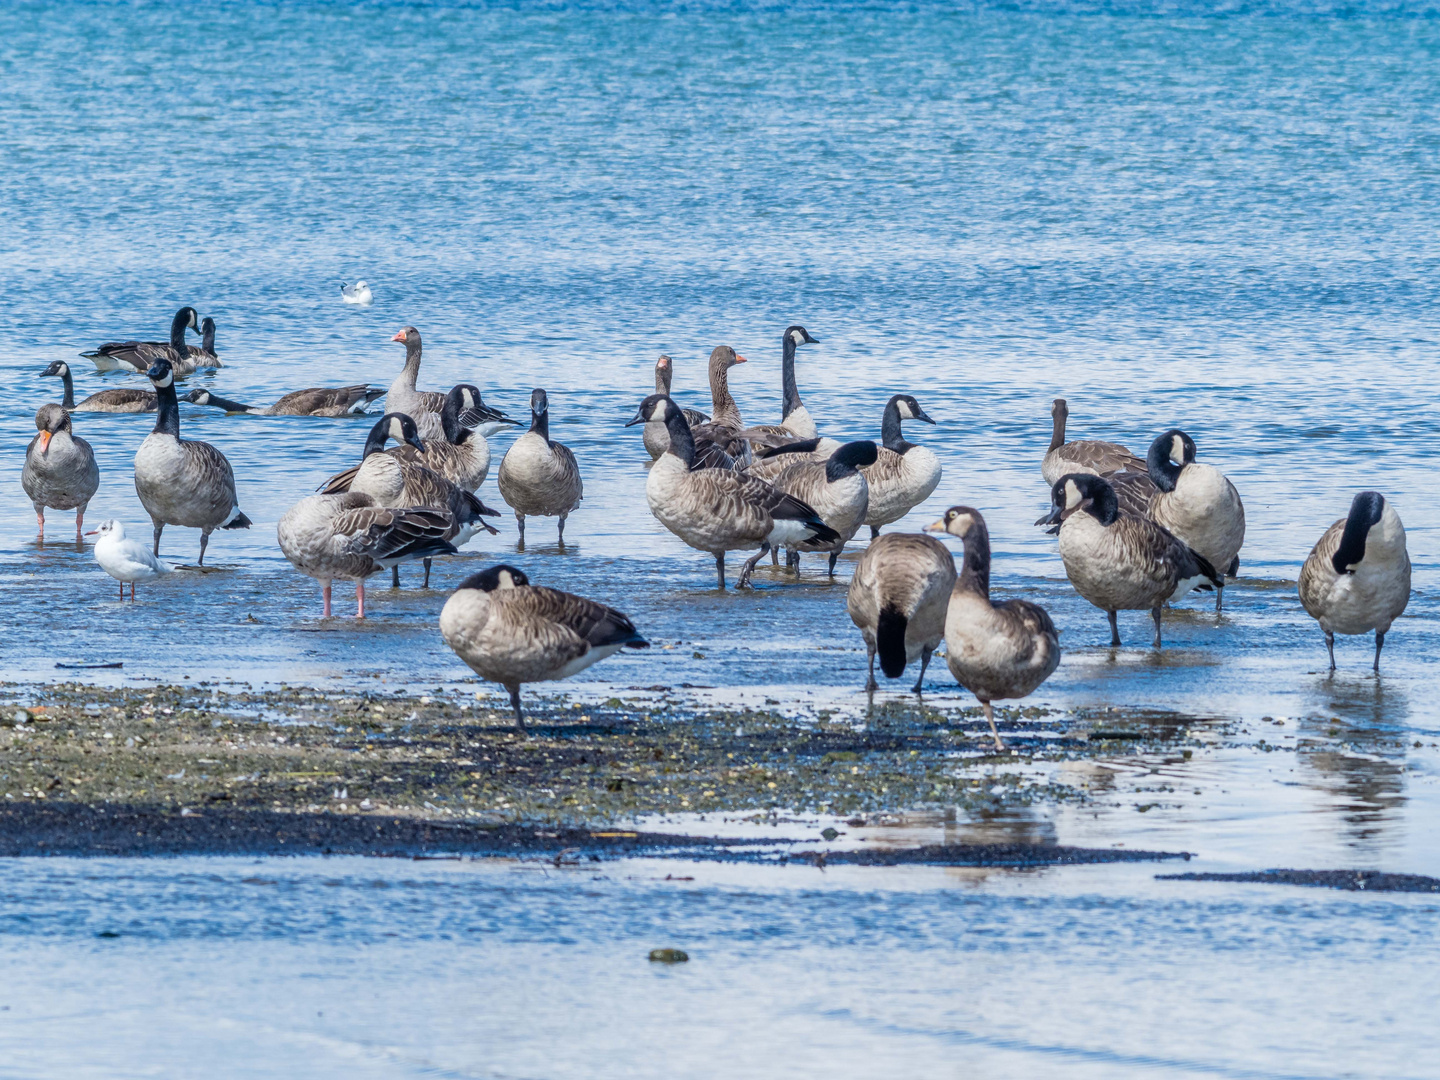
399	336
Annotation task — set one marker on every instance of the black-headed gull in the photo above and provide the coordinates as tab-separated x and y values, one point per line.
125	559
359	293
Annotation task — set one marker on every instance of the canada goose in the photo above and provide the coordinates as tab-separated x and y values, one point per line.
340	401
1357	577
996	651
205	356
119	400
656	439
795	418
1120	563
359	293
836	489
537	476
125	559
139	355
904	474
897	598
1086	456
60	470
422	406
512	632
350	537
724	426
181	482
717	510
399	484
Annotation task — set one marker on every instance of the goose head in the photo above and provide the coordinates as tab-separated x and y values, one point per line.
407	336
161	374
798	335
207	330
958	521
909	409
539	402
395	426
1169	454
187	318
664	369
724	358
50	420
853	455
1078	492
655	407
495	578
1059	410
198	397
1366	510
109	527
57	368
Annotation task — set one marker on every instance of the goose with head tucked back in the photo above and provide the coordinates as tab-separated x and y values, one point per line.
60	470
138	356
182	482
1357	576
719	510
656	439
1086	456
1121	562
897	598
122	399
904	474
205	356
539	477
835	488
511	632
996	651
321	401
422	406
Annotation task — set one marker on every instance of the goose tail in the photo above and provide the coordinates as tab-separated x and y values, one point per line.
238	521
890	641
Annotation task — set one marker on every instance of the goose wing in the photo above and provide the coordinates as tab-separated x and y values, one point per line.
1133	491
392	534
1028	625
1318	573
1159	555
320	401
1094	455
694	416
120	399
590	622
340	482
129	352
425	487
782	506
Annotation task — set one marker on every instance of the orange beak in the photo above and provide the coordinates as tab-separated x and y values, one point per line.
740	359
44	441
399	336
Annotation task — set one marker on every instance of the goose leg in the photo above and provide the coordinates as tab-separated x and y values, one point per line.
874	531
122	590
990	716
132	591
870	684
80	525
834	558
1330	646
514	689
325	595
1114	631
159	528
360	599
395	577
924	663
743	581
792	561
1219	598
720	567
428	562
562	529
1155	614
40	519
204	540
775	557
1379	644
520	524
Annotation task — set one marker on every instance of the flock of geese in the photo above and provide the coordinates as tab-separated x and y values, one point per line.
1135	533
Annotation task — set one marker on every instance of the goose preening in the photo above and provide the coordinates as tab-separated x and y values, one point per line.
511	632
655	436
795	423
137	356
60	470
897	599
904	474
1086	456
206	356
349	537
125	559
119	400
718	510
398	483
1121	562
996	651
835	488
182	482
539	477
1357	577
322	401
422	406
359	293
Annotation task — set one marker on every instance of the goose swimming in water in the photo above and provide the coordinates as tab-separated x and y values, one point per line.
182	482
122	399
137	356
904	474
655	436
124	559
1357	577
1120	562
718	510
511	632
339	401
996	651
60	470
359	293
835	488
1086	456
538	476
898	597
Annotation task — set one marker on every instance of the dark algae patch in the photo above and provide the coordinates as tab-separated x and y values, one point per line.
1352	880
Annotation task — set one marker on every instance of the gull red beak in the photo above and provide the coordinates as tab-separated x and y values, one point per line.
399	336
44	441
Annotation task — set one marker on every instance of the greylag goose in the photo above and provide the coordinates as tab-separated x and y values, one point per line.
996	651
656	438
60	470
321	401
137	356
1357	577
539	477
349	537
723	429
511	632
359	293
897	599
904	474
422	406
124	559
118	400
1086	456
836	489
717	510
398	484
1121	563
182	482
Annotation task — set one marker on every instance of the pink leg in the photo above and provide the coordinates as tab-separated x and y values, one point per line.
132	592
360	598
122	590
325	592
40	517
80	524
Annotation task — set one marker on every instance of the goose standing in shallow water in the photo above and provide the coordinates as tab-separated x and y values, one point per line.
512	632
904	474
1357	577
723	430
1119	562
60	470
422	406
655	436
898	598
795	423
137	356
539	477
182	482
1086	456
718	510
835	488
996	651
125	559
119	400
339	401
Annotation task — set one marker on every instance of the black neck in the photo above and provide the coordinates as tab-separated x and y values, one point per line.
682	442
68	402
450	424
207	340
225	403
1363	514
375	442
540	424
838	470
890	430
1163	471
177	334
167	410
1057	434
1104	505
975	574
787	375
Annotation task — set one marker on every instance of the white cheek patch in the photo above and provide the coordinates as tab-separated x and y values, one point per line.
797	337
1177	450
506	581
397	431
1072	495
167	380
905	413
